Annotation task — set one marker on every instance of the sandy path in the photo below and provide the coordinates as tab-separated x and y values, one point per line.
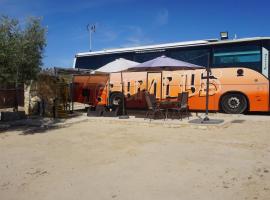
128	162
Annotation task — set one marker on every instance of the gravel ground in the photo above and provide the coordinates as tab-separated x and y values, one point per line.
110	160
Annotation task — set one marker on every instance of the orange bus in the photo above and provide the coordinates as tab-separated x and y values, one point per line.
238	83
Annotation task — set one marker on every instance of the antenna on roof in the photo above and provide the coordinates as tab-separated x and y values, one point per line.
91	29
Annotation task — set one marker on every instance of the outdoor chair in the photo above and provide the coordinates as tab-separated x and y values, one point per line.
153	107
182	106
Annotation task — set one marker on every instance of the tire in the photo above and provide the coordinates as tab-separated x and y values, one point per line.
116	99
234	103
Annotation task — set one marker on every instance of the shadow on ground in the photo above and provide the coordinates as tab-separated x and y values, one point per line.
142	114
35	125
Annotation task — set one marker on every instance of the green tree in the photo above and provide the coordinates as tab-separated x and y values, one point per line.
21	49
9	39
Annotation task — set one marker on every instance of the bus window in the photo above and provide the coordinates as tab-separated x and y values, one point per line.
97	61
128	86
168	90
238	56
155	89
145	56
266	45
87	62
198	56
192	79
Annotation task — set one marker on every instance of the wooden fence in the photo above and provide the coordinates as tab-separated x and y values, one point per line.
8	97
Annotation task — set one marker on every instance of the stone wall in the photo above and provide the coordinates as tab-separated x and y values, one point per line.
41	95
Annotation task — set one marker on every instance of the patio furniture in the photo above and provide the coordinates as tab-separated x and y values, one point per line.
112	112
95	111
182	105
153	107
167	105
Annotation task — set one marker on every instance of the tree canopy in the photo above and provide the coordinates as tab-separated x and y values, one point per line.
21	49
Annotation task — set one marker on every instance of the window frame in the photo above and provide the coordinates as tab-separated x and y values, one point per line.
257	47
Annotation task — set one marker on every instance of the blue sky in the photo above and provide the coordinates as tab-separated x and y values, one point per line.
126	23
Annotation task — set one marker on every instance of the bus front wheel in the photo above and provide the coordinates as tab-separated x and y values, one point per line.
116	99
234	103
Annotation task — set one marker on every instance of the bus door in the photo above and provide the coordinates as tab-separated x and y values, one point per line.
154	84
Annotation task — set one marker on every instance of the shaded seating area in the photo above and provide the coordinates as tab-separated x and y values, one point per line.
163	107
181	106
176	108
153	108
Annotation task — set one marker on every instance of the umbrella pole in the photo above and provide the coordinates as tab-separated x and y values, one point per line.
206	118
123	116
108	91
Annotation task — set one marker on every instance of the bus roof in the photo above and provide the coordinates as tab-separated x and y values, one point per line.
170	45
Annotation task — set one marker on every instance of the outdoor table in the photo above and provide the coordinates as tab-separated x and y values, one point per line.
167	104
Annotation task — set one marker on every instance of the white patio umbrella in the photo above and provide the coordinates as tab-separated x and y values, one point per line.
117	65
164	63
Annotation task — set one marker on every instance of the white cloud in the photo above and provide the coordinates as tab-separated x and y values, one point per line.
106	33
125	36
162	17
135	36
109	36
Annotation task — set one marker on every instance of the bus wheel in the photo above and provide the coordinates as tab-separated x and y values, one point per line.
116	99
234	103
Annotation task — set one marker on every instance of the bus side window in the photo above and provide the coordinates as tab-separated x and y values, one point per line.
85	92
167	90
192	79
128	87
155	89
192	88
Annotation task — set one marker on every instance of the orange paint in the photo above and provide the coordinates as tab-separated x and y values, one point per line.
167	84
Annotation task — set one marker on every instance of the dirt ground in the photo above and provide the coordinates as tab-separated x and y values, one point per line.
97	160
